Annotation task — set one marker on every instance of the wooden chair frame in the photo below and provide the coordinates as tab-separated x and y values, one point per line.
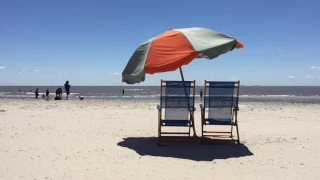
174	136
234	117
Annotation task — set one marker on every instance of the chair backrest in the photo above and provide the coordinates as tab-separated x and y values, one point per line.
220	99
177	97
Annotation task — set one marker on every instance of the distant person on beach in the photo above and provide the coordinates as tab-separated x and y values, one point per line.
67	88
201	94
122	91
19	90
58	94
47	93
37	93
43	96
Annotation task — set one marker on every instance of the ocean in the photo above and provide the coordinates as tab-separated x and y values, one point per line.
305	94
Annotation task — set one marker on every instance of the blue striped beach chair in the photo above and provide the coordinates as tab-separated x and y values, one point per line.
176	108
220	108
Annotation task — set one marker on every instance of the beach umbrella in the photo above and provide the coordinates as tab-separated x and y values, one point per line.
175	48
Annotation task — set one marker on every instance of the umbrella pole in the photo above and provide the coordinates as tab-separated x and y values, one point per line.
192	117
181	73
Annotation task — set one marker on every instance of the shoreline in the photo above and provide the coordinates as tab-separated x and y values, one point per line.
257	99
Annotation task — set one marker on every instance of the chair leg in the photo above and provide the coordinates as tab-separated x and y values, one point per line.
238	133
231	131
202	125
201	132
159	134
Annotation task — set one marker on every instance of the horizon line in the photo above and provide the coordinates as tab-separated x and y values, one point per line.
142	85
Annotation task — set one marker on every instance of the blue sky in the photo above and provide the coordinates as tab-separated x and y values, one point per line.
90	42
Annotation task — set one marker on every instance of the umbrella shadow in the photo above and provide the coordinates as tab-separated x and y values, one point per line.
147	146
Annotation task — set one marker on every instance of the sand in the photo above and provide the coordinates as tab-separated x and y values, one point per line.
116	140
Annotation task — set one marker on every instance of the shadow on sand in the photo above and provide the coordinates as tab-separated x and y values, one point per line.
147	146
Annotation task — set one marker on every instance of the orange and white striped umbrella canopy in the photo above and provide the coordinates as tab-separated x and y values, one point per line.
175	48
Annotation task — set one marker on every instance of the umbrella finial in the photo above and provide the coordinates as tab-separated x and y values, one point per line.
239	45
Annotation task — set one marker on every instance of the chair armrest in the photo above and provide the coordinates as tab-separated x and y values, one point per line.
159	107
201	106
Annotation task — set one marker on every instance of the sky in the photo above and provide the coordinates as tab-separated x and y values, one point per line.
90	42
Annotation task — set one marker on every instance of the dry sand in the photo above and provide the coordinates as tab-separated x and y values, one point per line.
115	140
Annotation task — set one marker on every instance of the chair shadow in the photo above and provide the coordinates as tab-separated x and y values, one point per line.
147	146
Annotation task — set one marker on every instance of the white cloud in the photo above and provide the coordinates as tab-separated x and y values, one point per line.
291	77
315	67
22	71
309	77
63	73
1	67
114	73
37	70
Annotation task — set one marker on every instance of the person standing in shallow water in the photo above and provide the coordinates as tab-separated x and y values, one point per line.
122	92
67	88
47	93
201	94
37	93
